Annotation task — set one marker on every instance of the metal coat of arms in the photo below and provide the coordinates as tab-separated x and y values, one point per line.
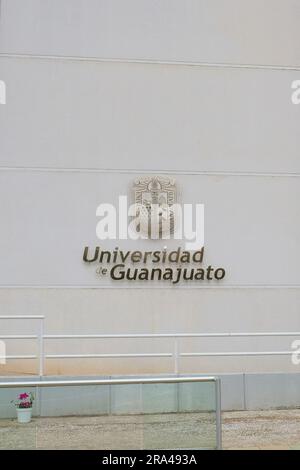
155	197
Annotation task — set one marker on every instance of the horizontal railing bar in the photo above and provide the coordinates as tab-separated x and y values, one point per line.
140	380
18	336
207	354
22	317
137	355
69	356
169	335
18	357
253	353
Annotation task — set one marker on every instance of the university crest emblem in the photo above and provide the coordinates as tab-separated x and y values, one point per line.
155	197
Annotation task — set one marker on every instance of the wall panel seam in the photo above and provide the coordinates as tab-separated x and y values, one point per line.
150	61
151	171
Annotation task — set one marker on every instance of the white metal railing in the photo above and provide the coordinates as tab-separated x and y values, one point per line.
176	353
135	381
39	337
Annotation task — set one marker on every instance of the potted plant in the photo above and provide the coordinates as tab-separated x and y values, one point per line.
24	407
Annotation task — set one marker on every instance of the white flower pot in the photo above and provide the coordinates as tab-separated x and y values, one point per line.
24	415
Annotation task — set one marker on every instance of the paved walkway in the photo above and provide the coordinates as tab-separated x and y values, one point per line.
278	429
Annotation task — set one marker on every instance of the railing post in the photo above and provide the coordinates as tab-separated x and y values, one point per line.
176	355
218	414
41	348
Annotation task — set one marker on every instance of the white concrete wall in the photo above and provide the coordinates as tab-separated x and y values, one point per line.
226	31
75	132
77	114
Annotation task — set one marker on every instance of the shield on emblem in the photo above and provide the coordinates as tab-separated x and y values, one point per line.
155	197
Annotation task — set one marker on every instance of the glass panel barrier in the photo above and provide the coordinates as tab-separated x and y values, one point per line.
180	416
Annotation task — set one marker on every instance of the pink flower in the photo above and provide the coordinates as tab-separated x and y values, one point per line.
26	404
23	396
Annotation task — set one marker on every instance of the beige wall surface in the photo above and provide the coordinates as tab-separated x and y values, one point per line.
223	31
73	114
121	311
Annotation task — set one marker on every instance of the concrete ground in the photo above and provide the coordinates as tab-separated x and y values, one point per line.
262	430
276	429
